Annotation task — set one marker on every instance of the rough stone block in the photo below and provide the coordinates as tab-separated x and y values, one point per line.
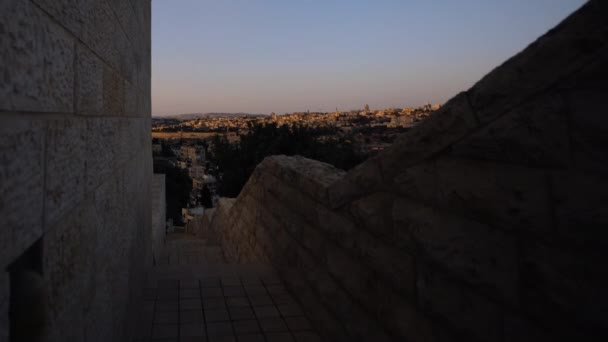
559	53
89	82
337	226
580	201
68	264
36	60
506	196
444	127
4	306
478	254
349	271
65	167
133	105
374	213
403	319
589	128
462	308
534	134
563	286
392	265
21	184
70	13
418	182
113	93
306	175
359	181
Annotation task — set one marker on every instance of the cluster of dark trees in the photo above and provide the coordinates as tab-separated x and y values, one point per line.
236	162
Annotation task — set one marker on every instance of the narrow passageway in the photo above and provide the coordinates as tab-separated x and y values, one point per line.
193	295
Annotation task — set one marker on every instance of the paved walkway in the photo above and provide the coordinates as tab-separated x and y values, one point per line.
195	296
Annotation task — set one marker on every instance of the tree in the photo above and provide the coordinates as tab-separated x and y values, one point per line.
236	162
206	200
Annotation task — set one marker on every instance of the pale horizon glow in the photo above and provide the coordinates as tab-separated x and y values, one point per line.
318	55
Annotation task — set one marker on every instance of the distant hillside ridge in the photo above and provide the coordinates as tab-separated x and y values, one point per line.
205	115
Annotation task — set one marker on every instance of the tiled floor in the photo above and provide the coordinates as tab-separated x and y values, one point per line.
221	302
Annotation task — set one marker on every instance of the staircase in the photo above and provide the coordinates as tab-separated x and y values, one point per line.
192	294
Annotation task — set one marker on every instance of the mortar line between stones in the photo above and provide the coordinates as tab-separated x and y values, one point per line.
257	319
200	296
226	305
275	304
79	40
179	309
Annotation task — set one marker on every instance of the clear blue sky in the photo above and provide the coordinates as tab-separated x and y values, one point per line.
296	55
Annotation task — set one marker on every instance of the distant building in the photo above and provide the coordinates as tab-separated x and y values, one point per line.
196	171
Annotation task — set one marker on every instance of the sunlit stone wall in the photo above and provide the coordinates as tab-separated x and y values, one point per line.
75	161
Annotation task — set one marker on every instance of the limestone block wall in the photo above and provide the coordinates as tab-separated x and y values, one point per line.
486	222
75	161
159	215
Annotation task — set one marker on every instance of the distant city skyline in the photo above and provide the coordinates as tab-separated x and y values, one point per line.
288	56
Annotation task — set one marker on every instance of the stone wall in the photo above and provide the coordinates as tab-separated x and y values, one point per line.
486	222
159	216
75	170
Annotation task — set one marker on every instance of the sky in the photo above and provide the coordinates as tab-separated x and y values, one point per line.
283	56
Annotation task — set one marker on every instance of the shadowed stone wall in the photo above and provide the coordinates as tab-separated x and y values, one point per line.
487	222
75	162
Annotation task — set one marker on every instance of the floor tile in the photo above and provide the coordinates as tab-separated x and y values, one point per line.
261	300
308	336
169	317
189	293
220	329
190	304
273	324
279	337
238	314
160	331
251	338
210	292
266	311
234	291
216	315
189	284
298	323
245	327
237	302
163	306
191	316
290	310
192	330
214	303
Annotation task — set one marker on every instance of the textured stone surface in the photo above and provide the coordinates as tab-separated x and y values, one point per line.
65	167
556	55
21	182
69	255
89	82
589	127
506	196
560	284
482	255
580	208
36	60
4	305
462	308
74	172
534	134
444	127
159	215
